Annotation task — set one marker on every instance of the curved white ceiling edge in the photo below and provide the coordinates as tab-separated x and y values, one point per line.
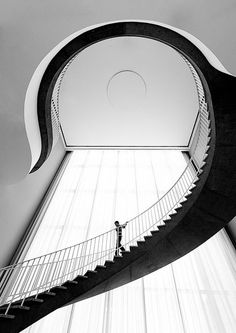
210	56
30	108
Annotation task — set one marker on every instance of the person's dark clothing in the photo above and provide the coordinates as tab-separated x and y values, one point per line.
119	246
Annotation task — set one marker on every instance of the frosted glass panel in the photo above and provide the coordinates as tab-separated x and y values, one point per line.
195	294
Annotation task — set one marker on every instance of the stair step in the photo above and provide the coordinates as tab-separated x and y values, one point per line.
109	263
187	195
60	287
133	247
70	282
154	232
147	237
125	252
48	293
35	300
117	257
81	277
174	212
178	208
178	205
20	307
141	243
166	221
7	316
100	267
90	273
168	218
15	307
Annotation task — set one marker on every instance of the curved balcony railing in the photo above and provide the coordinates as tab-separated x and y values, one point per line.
31	277
55	103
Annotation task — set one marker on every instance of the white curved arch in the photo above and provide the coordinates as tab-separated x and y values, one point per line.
210	56
30	110
30	107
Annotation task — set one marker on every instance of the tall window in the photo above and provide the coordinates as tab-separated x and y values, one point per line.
195	294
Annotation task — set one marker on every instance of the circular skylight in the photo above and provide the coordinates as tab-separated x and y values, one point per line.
126	90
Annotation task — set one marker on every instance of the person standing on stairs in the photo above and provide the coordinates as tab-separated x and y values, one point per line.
119	246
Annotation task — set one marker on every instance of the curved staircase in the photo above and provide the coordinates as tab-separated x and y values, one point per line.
45	283
200	203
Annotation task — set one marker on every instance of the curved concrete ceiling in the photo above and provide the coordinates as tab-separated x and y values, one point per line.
29	32
128	91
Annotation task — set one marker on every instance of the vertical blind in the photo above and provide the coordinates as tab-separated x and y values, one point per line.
195	294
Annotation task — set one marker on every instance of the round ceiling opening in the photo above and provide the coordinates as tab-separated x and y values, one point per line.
126	90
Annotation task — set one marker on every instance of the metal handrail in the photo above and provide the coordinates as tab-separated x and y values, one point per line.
95	237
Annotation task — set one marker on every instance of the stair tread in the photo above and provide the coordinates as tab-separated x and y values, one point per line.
117	257
141	243
21	307
125	252
60	287
100	267
187	195
153	232
109	263
71	282
33	299
82	277
16	307
90	272
48	293
4	316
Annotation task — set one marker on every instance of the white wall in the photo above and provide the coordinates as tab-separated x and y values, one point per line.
18	203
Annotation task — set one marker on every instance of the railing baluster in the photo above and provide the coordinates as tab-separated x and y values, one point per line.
44	269
63	253
71	262
24	290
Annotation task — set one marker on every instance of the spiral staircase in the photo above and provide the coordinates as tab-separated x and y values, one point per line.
199	204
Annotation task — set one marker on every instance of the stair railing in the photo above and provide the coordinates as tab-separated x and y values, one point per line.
34	276
45	272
